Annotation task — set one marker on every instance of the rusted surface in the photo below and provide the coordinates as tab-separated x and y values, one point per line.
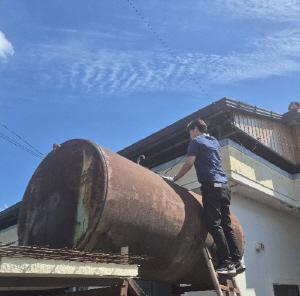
65	197
68	255
85	197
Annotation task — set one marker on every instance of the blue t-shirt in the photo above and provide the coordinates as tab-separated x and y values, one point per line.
208	163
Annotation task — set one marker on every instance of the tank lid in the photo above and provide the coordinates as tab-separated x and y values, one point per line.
65	197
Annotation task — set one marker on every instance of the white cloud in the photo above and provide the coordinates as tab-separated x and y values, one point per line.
103	33
6	48
267	9
277	54
116	71
284	43
108	71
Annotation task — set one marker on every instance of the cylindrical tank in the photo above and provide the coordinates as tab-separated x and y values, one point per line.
85	197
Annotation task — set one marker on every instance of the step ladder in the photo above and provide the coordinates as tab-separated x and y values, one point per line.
221	283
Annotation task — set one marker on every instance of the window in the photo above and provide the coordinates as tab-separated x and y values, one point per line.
286	290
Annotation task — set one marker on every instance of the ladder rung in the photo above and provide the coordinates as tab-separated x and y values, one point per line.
227	285
225	288
229	289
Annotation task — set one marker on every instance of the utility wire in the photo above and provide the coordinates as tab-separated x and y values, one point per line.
164	43
20	142
192	78
21	138
172	53
18	145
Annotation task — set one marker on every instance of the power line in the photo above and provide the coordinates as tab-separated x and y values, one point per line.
149	26
172	53
18	145
192	78
164	44
21	138
19	142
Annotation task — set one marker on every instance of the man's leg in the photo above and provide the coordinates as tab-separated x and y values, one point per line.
227	226
213	216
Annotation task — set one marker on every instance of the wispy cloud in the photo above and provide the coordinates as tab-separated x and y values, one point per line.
108	71
6	48
266	9
103	33
276	54
284	43
114	71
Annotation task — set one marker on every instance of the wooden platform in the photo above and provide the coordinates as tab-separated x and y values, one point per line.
27	268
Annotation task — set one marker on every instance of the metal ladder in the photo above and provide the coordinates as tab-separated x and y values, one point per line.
221	283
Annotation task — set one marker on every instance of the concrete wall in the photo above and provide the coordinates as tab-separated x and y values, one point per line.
279	232
279	262
251	170
244	167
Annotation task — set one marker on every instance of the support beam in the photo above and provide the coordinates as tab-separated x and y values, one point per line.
134	288
26	272
39	283
107	291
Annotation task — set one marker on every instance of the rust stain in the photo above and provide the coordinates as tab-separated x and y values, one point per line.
90	198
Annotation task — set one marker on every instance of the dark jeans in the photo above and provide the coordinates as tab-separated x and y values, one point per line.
216	202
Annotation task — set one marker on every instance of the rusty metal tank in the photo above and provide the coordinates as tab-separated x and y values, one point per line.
85	197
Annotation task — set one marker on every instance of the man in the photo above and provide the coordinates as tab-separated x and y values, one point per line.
204	153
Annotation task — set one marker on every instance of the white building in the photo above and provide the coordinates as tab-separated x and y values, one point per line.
261	156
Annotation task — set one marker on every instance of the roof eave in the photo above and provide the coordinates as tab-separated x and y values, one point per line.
9	216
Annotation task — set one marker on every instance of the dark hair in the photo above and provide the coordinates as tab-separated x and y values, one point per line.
199	124
294	106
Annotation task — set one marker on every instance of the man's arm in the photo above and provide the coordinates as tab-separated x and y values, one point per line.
189	162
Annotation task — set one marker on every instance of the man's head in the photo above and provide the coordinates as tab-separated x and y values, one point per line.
196	128
294	106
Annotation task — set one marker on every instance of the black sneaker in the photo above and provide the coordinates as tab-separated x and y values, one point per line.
226	269
239	266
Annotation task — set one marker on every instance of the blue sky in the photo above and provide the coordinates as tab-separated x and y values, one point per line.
94	69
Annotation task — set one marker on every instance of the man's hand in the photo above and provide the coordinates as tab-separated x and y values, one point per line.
169	178
189	162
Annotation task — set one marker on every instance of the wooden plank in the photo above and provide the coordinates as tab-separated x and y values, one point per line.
236	288
53	292
224	288
26	272
36	283
107	291
124	289
13	266
134	288
274	135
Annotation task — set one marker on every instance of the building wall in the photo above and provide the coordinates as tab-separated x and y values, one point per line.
273	134
296	135
279	262
247	168
279	232
244	167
